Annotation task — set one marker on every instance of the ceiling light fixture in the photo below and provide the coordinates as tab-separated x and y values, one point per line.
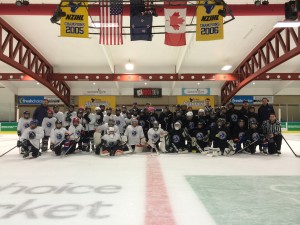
226	67
129	66
287	24
22	2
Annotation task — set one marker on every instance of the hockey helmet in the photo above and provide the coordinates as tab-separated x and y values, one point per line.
111	130
253	124
76	121
151	109
50	111
177	125
111	122
134	121
58	124
97	108
178	113
34	123
71	107
87	108
189	115
221	121
155	125
118	109
230	105
26	114
241	123
201	111
67	135
200	123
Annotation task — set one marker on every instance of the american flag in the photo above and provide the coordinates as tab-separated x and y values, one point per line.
111	22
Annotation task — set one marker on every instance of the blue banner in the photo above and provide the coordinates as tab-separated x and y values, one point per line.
240	98
30	100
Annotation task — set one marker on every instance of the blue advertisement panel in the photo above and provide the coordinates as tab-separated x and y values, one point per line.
240	98
30	100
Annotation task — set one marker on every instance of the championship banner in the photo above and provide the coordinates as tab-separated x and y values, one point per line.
209	22
75	23
96	101
196	102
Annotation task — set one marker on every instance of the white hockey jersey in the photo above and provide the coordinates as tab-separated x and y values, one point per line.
23	124
91	125
59	116
57	135
120	122
80	120
134	134
48	124
75	132
110	141
107	117
154	135
39	134
98	120
67	118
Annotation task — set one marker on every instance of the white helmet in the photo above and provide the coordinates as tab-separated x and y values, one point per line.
177	125
201	111
97	108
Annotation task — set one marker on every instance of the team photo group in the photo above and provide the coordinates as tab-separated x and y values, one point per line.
225	130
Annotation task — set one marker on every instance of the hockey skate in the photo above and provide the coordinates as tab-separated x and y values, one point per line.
182	151
216	152
228	152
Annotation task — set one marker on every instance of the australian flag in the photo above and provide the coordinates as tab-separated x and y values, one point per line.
116	7
141	28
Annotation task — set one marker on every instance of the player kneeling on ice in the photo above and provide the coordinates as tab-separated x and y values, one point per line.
57	136
238	136
31	139
22	125
177	139
135	136
253	137
156	138
77	133
110	143
200	136
219	136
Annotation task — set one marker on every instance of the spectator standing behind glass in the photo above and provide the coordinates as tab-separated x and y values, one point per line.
265	110
41	112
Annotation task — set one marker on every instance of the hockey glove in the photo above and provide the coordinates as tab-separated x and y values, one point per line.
87	119
24	143
31	135
99	121
19	144
51	146
19	133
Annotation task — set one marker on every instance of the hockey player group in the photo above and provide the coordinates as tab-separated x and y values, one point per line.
211	131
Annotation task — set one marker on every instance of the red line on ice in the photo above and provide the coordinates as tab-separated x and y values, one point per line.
158	207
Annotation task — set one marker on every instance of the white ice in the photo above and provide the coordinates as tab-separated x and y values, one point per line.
112	190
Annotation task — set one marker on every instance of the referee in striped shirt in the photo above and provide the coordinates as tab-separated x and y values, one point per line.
272	131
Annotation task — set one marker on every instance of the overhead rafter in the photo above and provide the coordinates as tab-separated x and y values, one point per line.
277	47
17	52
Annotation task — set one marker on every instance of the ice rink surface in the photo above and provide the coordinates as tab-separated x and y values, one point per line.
186	189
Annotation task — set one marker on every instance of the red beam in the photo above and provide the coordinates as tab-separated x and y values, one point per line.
48	9
30	61
146	77
269	54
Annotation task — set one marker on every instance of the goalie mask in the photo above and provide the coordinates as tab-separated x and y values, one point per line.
58	124
177	126
111	132
189	115
155	125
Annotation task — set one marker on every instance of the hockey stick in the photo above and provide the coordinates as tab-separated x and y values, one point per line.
290	146
66	152
8	151
196	144
242	149
174	146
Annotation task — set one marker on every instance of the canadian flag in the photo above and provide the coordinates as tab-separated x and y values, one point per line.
175	26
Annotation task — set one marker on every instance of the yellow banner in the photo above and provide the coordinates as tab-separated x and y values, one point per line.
75	23
196	102
209	22
94	101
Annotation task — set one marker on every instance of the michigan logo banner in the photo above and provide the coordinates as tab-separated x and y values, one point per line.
75	23
96	101
196	102
209	22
